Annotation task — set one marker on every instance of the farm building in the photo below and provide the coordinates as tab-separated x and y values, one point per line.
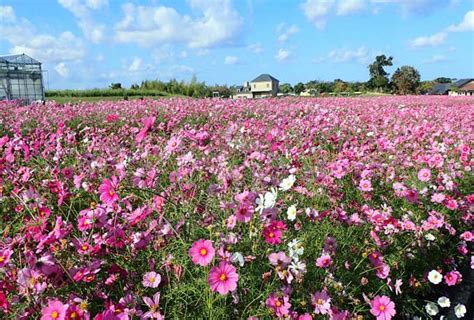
21	78
462	87
263	86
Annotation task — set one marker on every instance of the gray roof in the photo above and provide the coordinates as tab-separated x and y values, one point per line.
462	82
440	88
265	77
19	58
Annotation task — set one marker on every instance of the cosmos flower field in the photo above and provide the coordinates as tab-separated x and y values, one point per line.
332	208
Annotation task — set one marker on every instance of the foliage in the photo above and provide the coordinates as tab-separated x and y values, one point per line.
406	80
378	76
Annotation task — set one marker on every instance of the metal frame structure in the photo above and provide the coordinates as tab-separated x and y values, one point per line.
21	78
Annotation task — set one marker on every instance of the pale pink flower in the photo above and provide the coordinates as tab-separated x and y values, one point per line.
202	252
151	279
55	310
223	278
382	308
424	175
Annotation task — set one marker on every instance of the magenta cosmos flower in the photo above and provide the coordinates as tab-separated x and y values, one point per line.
5	257
424	175
108	195
151	279
202	252
55	310
280	305
382	308
223	278
324	261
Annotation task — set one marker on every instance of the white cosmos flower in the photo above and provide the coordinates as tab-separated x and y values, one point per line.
431	308
287	183
460	310
444	302
435	277
291	213
237	257
266	201
429	237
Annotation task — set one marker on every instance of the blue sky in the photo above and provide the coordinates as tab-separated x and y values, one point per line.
91	43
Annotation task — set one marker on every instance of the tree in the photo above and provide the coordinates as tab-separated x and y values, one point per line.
117	85
442	80
299	87
378	76
406	80
340	86
425	87
286	88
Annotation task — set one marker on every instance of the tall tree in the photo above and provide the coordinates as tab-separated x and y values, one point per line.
442	80
406	80
286	88
299	87
378	76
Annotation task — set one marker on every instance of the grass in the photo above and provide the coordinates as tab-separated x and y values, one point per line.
98	99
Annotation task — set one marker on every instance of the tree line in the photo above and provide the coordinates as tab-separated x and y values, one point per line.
405	80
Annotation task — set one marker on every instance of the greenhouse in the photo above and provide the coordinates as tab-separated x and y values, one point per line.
21	78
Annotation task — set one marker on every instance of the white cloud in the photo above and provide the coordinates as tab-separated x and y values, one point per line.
283	55
136	64
360	55
62	69
350	6
436	59
7	14
316	11
217	22
231	60
82	11
466	25
286	32
346	55
255	47
429	41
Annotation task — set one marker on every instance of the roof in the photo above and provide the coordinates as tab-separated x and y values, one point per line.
440	88
19	58
462	82
265	77
468	87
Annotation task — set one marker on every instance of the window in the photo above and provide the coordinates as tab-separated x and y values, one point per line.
254	86
268	85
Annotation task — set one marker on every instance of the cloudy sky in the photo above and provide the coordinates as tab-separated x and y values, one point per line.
91	43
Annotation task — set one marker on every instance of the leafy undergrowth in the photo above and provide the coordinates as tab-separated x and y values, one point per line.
218	209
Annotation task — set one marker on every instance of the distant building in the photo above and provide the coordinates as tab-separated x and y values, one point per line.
463	87
263	86
21	78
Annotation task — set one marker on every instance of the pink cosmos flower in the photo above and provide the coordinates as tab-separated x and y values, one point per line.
324	261
151	279
279	304
438	198
424	175
365	185
382	308
5	257
305	316
244	213
202	252
55	310
154	306
321	302
108	195
467	236
223	278
452	278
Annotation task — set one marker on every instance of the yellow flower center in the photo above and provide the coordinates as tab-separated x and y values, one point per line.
278	303
84	247
151	279
223	277
320	301
73	315
111	193
54	314
382	308
271	234
2	259
203	252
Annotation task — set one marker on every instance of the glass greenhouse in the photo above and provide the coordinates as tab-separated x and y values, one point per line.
21	78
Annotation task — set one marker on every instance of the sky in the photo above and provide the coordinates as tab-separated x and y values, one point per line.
92	43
